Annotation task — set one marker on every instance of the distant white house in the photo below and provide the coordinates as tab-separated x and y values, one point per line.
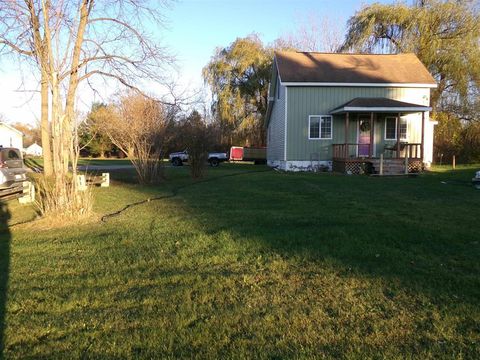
34	150
10	137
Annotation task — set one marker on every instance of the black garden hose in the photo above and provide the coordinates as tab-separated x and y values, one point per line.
175	192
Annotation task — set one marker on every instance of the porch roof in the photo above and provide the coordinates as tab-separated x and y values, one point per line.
382	105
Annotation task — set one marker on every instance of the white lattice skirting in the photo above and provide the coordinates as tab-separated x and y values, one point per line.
301	165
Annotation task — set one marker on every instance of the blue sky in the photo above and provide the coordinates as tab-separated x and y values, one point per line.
194	29
197	27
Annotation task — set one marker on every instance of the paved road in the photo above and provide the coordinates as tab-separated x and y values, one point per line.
107	167
104	167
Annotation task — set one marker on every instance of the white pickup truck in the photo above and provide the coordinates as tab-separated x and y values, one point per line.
214	158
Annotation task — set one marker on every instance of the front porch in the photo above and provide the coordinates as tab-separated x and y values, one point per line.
385	150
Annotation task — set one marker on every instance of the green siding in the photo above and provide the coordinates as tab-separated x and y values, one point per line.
276	129
305	101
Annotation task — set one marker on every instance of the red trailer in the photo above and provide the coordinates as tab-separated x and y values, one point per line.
256	154
236	153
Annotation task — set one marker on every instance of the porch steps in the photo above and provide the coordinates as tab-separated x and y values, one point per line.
390	166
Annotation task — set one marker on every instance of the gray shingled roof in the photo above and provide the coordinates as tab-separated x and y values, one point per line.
298	67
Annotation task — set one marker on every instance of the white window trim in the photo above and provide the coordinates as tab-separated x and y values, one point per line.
320	127
396	128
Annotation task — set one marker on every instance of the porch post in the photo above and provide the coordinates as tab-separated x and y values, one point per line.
371	135
346	135
422	146
398	136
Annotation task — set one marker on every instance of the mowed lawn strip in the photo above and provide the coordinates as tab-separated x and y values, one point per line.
250	262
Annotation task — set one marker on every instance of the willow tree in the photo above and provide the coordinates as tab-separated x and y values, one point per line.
238	77
445	35
69	43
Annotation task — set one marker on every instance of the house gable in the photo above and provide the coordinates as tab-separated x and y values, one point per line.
10	137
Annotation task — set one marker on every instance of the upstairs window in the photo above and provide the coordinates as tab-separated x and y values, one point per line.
320	127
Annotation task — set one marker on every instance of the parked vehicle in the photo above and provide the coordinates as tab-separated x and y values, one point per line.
476	180
256	154
214	158
12	171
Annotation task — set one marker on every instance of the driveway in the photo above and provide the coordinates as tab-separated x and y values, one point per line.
104	167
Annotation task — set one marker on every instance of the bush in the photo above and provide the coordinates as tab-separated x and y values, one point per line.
138	126
470	140
198	137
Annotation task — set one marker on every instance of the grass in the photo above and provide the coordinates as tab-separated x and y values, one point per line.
251	265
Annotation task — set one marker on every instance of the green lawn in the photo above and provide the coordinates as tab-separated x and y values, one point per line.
252	265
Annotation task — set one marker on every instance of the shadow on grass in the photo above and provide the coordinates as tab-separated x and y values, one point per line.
35	164
4	270
417	234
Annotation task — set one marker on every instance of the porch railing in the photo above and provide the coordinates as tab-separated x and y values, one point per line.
351	150
414	150
356	150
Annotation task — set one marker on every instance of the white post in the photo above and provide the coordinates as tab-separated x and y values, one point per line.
81	182
406	160
105	180
381	164
28	193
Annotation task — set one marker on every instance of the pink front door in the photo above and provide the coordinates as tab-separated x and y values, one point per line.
363	136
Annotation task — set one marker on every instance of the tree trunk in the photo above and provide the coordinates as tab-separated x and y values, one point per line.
45	128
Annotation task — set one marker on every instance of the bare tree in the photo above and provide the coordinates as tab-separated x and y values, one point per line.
315	34
139	126
74	42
